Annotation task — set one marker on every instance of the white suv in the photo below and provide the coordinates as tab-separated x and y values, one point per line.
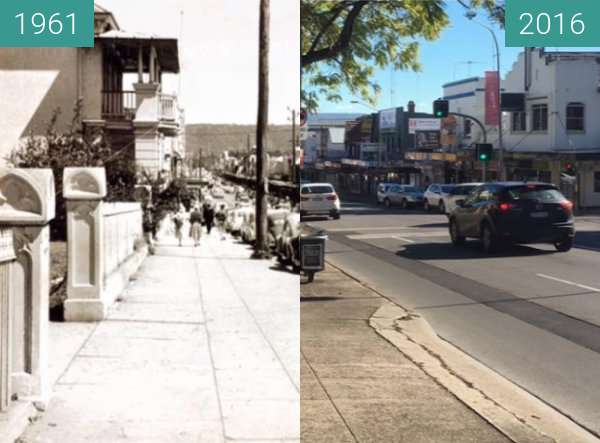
319	199
435	197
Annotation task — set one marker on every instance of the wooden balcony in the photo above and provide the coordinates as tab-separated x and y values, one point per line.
118	105
122	106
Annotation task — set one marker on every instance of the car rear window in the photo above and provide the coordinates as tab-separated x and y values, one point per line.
410	189
447	188
542	194
317	190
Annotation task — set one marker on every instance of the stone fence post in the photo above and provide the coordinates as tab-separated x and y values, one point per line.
26	207
7	257
83	190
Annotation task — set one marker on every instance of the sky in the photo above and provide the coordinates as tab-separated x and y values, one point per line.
465	49
219	54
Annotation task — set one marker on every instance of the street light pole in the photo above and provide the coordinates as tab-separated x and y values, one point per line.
501	170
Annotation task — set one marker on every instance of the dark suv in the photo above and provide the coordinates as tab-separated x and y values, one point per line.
520	212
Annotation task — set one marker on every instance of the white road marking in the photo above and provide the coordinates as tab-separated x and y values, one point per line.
368	228
567	282
407	240
398	234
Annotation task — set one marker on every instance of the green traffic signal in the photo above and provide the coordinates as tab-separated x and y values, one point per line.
483	157
440	108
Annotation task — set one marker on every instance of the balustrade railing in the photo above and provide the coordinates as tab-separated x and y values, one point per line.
118	105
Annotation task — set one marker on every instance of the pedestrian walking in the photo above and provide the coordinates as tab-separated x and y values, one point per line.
196	225
209	215
178	222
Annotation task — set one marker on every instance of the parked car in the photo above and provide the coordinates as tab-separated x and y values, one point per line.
382	191
247	231
434	197
459	192
319	199
519	212
288	243
276	220
403	195
218	193
235	220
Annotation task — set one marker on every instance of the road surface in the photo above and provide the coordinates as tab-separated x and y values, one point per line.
529	313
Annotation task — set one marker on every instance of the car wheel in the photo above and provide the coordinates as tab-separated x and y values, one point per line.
457	239
404	203
336	216
441	207
488	239
564	244
426	206
388	203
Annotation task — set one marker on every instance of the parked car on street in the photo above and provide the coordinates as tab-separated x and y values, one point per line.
288	243
247	231
519	212
382	191
235	220
459	192
434	197
403	195
319	199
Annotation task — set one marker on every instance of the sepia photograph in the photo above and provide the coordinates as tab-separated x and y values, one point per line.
149	223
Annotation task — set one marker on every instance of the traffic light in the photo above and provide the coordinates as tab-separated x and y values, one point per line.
440	108
484	152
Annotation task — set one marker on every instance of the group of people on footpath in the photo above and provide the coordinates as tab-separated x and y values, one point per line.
200	215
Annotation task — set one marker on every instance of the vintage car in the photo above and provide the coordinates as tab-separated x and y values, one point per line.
275	222
235	220
248	231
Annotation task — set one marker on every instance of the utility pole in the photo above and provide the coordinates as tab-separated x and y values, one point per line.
261	248
293	146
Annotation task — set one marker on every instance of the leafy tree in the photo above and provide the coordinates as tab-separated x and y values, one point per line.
344	41
76	147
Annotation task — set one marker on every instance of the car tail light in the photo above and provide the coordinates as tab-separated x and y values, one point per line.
333	197
505	207
567	205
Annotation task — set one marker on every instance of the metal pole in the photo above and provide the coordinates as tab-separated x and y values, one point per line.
501	170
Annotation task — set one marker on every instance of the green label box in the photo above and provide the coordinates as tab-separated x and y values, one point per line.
46	23
553	23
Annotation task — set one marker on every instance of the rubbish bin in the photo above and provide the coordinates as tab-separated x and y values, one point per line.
312	254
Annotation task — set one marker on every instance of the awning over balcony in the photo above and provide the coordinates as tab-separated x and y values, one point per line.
129	43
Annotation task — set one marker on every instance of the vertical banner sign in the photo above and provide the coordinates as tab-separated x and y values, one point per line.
47	23
491	98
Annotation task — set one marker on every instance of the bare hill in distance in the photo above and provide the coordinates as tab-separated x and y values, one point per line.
216	138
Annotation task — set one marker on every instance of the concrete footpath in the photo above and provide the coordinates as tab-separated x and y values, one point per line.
357	387
202	347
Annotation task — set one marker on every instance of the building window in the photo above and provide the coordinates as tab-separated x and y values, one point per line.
467	127
575	117
597	181
519	121
539	118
